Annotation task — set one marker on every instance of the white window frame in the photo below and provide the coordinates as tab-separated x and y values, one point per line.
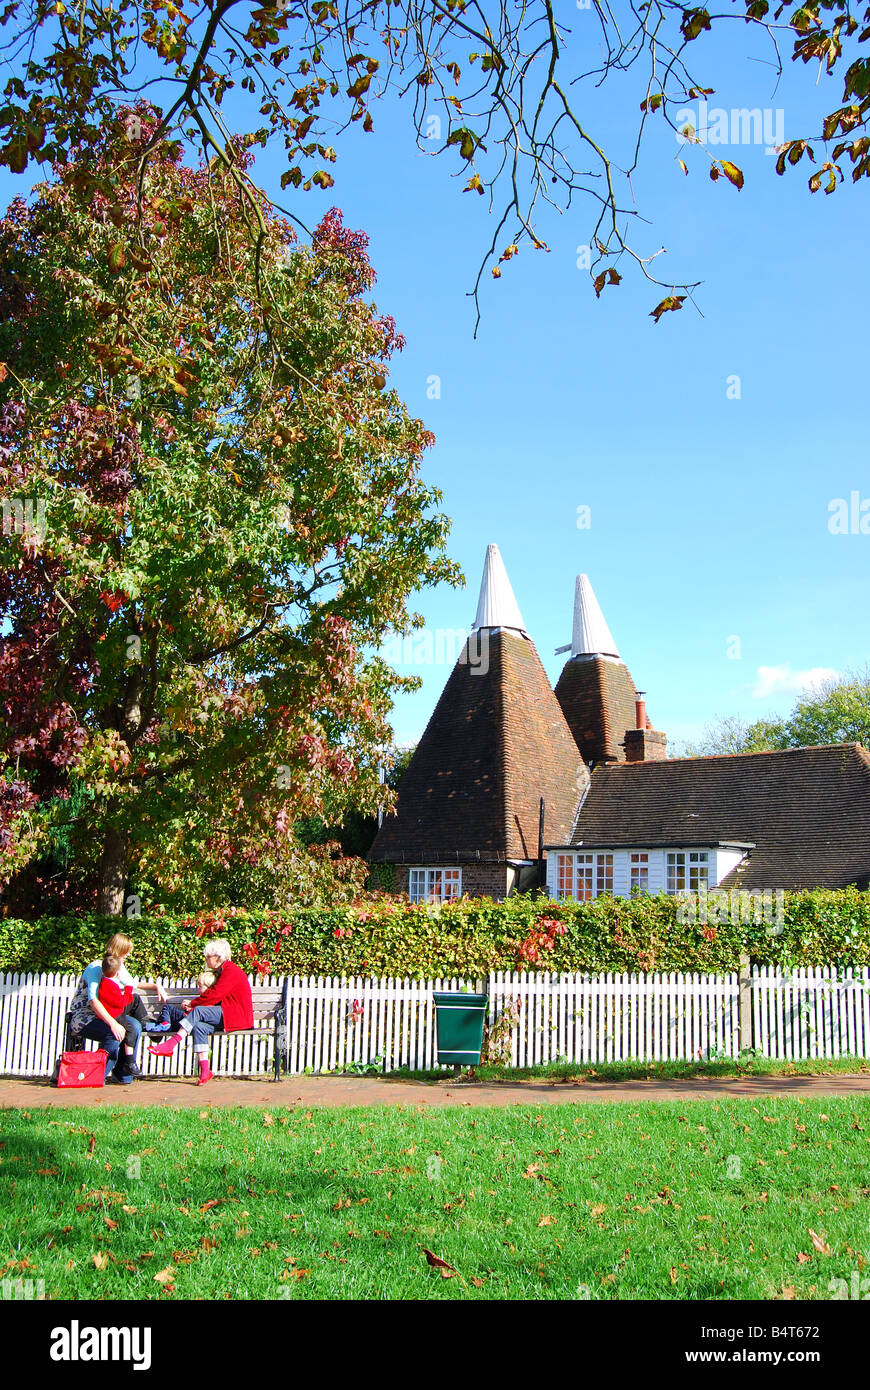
690	865
434	885
590	871
638	865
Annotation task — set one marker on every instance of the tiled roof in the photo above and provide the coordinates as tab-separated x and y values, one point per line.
597	699
495	744
806	810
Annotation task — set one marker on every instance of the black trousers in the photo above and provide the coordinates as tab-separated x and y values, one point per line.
138	1011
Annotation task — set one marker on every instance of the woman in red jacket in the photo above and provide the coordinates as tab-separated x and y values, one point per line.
225	1007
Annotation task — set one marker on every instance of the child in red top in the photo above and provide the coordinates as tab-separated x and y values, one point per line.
114	997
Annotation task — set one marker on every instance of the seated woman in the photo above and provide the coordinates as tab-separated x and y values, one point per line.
225	1007
89	1017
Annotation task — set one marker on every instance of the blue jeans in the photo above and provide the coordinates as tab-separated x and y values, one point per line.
202	1021
99	1032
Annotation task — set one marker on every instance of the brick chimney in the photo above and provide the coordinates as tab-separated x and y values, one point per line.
644	744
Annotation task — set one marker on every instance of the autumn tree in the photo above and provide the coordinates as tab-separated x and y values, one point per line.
229	517
507	91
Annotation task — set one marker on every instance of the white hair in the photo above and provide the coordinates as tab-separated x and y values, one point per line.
220	948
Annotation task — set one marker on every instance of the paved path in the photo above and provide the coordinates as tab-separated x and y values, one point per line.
355	1090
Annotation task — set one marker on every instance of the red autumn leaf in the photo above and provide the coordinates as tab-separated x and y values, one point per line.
435	1261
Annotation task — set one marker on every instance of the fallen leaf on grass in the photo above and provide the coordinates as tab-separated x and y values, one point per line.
208	1243
547	1221
215	1202
100	1260
820	1244
478	1283
802	1258
47	1172
166	1277
130	1210
598	1210
268	1119
183	1257
789	1291
112	1225
673	1272
447	1271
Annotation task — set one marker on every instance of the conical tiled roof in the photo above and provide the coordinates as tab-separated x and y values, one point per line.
595	690
496	743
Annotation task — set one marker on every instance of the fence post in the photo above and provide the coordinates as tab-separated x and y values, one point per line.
745	982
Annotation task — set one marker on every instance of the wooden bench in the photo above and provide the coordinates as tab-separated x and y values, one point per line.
270	1013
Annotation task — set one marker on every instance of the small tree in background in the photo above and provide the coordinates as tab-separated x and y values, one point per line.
837	710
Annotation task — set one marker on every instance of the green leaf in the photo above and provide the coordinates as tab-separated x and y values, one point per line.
693	23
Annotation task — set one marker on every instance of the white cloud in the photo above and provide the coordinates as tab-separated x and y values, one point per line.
782	680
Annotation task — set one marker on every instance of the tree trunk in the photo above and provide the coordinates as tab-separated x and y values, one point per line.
113	874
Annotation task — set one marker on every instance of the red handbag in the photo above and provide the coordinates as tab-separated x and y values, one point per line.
82	1068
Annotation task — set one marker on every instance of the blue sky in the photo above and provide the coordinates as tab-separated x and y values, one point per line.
709	515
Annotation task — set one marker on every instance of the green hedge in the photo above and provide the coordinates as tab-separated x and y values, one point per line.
471	937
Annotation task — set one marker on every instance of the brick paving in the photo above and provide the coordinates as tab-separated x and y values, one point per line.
312	1091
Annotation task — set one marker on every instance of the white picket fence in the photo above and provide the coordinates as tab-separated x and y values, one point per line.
335	1024
811	1012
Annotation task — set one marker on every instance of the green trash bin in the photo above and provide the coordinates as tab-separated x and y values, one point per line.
459	1020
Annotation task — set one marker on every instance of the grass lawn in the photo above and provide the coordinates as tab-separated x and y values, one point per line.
640	1071
703	1200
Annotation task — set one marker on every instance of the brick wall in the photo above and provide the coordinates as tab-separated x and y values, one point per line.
478	880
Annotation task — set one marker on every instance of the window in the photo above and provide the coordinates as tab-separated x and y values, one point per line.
639	873
687	871
697	870
676	873
585	867
603	874
434	885
564	875
583	876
